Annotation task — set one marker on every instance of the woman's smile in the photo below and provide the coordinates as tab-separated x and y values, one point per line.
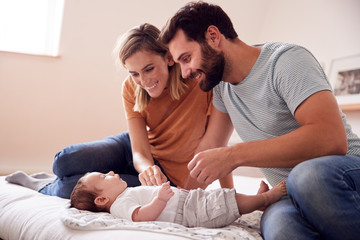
150	88
150	71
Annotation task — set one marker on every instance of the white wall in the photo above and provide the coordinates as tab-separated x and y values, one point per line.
48	103
330	29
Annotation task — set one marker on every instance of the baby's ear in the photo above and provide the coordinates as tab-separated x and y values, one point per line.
101	201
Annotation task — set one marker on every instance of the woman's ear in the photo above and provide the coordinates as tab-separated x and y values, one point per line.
169	59
101	201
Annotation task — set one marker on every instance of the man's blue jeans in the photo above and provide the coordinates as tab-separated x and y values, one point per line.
109	154
323	202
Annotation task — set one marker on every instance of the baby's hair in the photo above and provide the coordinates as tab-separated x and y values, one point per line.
83	198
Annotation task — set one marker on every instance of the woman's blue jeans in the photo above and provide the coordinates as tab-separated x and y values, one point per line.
323	202
109	154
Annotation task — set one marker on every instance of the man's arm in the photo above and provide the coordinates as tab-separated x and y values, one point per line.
321	133
217	135
152	211
218	131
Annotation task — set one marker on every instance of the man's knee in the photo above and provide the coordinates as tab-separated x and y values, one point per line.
283	221
310	175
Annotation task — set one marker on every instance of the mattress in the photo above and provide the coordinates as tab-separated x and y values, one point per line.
27	214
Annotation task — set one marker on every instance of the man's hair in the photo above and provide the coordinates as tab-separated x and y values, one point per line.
194	19
83	198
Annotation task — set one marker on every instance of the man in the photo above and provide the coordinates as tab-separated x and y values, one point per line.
278	99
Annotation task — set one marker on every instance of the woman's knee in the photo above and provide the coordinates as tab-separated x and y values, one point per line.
123	140
63	159
110	153
75	158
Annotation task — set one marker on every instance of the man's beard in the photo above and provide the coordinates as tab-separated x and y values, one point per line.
213	65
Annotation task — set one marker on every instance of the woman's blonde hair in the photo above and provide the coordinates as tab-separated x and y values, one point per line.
145	37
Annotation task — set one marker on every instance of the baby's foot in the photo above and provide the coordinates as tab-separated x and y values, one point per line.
263	187
275	194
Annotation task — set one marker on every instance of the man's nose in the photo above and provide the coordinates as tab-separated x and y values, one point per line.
185	72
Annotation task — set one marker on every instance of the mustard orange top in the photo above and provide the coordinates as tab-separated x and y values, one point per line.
175	127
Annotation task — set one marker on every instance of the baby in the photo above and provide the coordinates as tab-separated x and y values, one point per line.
100	192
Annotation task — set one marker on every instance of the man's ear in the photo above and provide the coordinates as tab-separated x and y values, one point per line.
101	200
213	35
169	59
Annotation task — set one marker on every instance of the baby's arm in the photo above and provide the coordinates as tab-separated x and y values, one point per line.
152	211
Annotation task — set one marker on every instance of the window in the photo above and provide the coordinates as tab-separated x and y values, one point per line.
31	26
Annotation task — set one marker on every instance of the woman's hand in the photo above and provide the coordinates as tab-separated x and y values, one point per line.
152	176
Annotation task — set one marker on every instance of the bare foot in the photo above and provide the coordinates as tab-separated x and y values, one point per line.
275	194
263	187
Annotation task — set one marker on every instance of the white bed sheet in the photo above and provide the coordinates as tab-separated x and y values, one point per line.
27	214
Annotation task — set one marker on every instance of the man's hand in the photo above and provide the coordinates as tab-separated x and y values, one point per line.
209	165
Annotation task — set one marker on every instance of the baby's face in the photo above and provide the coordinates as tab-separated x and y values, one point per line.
109	184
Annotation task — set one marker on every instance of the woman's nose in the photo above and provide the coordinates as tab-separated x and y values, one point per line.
143	80
111	173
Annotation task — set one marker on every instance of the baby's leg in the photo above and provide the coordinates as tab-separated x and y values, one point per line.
35	181
263	187
274	194
264	198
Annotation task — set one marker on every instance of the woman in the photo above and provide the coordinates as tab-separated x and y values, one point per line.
166	115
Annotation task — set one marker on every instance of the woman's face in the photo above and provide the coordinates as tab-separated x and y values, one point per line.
150	71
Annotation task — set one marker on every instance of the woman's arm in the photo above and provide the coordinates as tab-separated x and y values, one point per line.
149	174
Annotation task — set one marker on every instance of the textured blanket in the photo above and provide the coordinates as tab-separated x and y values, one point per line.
246	227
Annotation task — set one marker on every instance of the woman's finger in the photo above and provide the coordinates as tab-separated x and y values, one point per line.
159	176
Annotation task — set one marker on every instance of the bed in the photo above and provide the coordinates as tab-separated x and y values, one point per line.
27	214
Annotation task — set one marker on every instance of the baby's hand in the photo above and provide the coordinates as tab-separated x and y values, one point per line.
165	192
